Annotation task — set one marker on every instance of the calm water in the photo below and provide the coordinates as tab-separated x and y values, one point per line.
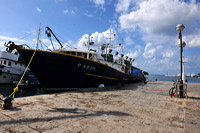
6	90
171	78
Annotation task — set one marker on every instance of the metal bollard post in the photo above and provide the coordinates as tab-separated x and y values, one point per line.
7	102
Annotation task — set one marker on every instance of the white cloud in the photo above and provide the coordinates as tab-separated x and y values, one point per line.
38	9
156	16
155	22
73	12
192	40
128	40
2	45
6	38
65	11
132	55
99	3
30	42
123	5
97	38
150	50
157	65
191	63
88	15
168	54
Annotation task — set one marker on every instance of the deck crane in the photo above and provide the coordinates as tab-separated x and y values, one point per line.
49	32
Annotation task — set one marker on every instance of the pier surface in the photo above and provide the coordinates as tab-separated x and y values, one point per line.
134	108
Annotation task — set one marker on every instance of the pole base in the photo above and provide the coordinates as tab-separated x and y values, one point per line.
7	106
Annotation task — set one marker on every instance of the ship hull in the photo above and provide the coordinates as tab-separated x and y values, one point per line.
59	71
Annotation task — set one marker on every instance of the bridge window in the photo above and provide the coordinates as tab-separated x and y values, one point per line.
85	55
79	54
73	53
90	56
9	63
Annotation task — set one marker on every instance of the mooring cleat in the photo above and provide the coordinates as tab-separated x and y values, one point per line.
7	102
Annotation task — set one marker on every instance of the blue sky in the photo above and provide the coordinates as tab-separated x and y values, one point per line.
147	27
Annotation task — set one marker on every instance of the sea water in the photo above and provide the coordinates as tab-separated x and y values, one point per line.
171	78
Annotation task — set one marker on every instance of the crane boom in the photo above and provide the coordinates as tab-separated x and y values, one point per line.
48	34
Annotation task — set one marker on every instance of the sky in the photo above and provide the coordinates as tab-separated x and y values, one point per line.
146	28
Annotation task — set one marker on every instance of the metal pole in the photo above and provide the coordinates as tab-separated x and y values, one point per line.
181	65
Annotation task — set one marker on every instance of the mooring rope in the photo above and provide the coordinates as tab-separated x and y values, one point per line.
16	88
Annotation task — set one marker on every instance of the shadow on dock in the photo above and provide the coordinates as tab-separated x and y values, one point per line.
195	98
104	89
76	111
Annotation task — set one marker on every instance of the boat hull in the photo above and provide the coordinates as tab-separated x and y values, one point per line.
59	70
8	78
9	74
11	67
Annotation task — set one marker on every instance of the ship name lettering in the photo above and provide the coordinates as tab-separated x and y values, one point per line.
87	67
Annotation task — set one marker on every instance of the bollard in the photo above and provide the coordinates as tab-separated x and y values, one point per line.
145	80
7	102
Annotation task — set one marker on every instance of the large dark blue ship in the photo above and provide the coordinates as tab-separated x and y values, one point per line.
62	69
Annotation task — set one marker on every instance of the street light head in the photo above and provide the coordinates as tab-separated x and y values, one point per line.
180	27
183	44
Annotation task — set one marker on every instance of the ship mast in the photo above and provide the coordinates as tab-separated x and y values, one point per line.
38	37
110	38
89	41
110	34
122	46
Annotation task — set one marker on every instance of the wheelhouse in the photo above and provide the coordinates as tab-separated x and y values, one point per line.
83	54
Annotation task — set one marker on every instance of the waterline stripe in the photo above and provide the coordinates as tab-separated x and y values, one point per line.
99	76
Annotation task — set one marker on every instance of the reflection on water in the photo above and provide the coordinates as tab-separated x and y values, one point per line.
7	89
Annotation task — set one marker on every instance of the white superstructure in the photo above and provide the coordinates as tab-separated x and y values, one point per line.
11	68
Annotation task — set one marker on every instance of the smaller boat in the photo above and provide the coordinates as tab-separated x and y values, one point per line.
11	66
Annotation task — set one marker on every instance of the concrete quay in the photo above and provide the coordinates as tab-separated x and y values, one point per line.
134	108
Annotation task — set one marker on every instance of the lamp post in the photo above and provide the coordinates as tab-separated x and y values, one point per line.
183	73
180	27
184	78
